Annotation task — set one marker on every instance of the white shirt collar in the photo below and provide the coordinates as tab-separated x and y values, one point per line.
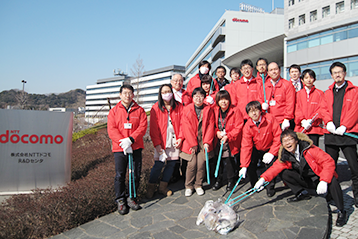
297	153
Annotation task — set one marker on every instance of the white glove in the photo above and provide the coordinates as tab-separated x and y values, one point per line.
223	133
259	184
242	172
285	124
264	106
321	187
331	127
306	124
163	156
210	99
341	130
128	150
125	143
267	158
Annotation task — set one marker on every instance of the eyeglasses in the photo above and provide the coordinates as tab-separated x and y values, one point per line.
127	93
177	81
338	73
261	65
248	68
198	96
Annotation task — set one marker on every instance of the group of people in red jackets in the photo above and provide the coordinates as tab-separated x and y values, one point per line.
252	120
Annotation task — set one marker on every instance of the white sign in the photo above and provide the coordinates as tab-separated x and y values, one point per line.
35	150
249	8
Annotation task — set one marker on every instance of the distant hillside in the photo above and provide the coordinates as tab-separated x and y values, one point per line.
17	100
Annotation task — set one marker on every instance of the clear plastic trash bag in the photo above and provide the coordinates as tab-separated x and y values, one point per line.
218	217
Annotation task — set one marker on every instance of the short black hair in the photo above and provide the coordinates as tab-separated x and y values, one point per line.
204	63
235	69
246	62
262	59
223	94
206	79
339	64
310	72
220	67
294	66
253	105
172	102
288	132
129	87
198	90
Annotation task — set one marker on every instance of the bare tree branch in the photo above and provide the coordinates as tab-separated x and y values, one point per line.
137	71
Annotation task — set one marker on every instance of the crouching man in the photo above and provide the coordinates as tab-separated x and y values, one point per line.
126	126
305	166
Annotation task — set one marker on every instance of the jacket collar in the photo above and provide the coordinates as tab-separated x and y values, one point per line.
304	143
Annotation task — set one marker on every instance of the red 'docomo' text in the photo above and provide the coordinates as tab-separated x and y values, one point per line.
239	20
15	137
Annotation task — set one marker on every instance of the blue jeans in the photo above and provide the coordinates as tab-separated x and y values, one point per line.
157	169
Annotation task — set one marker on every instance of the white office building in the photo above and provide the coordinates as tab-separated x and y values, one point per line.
240	35
320	32
106	90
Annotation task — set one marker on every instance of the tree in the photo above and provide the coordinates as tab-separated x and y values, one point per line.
137	71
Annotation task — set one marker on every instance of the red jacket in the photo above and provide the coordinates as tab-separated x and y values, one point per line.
319	161
231	89
117	117
213	95
284	96
246	92
195	82
258	76
349	115
265	137
159	123
233	127
307	108
189	132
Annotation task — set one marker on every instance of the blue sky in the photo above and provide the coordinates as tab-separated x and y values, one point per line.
57	46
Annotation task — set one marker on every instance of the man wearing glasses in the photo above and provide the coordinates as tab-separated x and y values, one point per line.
342	117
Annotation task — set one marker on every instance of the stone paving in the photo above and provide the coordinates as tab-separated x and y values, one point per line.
175	217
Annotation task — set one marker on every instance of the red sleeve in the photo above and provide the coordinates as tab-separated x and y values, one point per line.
142	128
276	168
239	123
188	129
351	116
209	132
246	147
154	129
290	101
298	111
276	143
112	128
325	161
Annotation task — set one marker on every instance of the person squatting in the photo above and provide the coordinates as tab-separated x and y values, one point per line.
250	122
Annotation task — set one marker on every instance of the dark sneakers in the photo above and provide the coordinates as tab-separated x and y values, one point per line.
122	208
301	196
230	185
133	204
216	186
270	192
341	218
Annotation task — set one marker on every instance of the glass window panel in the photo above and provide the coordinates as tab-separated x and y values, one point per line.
339	36
292	48
313	42
353	69
301	19
291	23
326	39
353	33
313	16
355	58
324	73
325	11
340	7
302	45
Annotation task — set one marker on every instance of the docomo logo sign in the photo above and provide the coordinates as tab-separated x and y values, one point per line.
240	20
33	139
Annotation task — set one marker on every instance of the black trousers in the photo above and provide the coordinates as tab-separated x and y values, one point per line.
350	152
251	170
121	163
297	184
314	138
229	165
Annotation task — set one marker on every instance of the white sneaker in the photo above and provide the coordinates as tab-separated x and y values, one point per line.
188	192
199	191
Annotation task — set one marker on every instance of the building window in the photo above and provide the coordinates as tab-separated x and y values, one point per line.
301	19
354	4
291	2
291	23
325	11
339	7
313	16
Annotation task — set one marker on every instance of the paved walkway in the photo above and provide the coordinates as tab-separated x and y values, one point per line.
175	217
